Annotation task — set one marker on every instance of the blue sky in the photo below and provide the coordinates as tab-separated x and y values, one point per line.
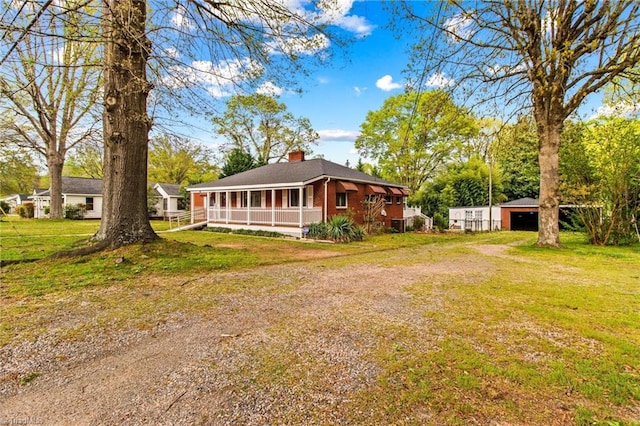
338	96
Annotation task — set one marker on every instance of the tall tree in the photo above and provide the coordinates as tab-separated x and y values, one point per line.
550	55
175	159
602	177
202	50
262	126
414	134
237	161
126	124
85	161
18	171
50	85
516	153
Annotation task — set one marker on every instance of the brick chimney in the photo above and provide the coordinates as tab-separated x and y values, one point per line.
296	156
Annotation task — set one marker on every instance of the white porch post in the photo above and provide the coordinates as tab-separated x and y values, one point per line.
300	203
228	207
248	207
273	207
207	203
193	206
217	206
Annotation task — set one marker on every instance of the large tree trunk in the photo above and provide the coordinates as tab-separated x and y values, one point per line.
55	165
126	125
549	200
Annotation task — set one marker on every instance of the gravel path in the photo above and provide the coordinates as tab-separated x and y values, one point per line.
318	338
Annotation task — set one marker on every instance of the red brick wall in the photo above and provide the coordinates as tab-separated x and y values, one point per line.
354	203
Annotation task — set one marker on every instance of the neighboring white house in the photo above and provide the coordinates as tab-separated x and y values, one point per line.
172	202
15	200
75	191
474	218
87	192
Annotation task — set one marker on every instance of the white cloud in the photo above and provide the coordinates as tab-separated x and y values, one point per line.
359	90
179	18
458	27
620	110
336	12
504	70
386	84
338	135
217	79
299	45
172	52
439	80
269	89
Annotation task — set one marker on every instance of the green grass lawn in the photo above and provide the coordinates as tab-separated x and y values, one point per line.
527	331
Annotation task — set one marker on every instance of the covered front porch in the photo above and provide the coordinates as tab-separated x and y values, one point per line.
285	210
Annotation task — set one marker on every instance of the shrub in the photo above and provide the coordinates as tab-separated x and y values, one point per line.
74	211
4	208
440	222
341	229
255	232
418	223
318	231
25	211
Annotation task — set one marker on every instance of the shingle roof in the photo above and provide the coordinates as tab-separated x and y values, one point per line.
77	185
171	189
296	172
522	202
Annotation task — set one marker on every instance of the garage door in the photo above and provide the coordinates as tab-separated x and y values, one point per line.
524	221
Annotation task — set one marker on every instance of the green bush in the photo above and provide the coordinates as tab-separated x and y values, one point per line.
4	208
25	211
341	229
318	231
418	223
255	232
74	211
440	222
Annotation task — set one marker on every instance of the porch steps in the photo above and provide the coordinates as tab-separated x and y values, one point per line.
188	226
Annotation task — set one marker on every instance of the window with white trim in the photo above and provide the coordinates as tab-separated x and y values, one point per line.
256	199
294	197
341	200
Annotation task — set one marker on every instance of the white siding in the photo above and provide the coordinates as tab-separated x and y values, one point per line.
474	218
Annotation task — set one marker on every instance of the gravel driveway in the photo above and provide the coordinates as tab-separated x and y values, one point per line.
260	357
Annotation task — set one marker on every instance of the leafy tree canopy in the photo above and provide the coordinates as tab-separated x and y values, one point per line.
237	161
178	160
261	126
414	134
18	171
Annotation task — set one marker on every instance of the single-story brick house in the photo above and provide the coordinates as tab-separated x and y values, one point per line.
88	192
286	197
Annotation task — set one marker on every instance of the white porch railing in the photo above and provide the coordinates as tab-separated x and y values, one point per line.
265	216
181	218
